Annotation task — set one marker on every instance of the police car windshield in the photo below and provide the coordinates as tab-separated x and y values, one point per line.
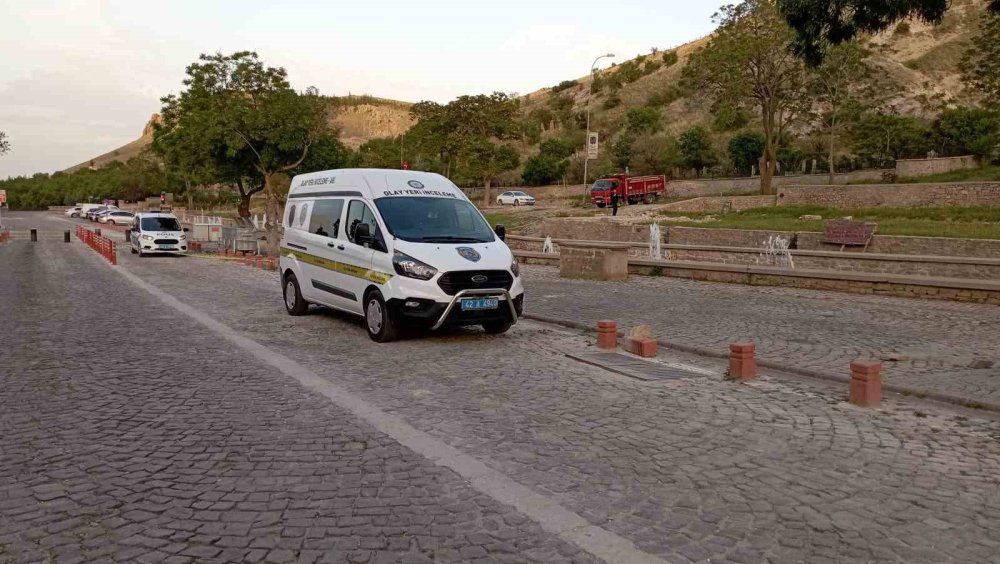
160	224
434	220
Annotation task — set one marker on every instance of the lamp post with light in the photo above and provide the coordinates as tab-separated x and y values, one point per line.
586	143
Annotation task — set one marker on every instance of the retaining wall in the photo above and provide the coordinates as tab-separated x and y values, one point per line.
922	167
963	194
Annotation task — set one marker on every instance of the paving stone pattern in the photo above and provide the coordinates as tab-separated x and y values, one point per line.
779	470
947	347
131	435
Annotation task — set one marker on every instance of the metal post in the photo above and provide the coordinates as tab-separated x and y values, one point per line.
586	142
34	235
66	236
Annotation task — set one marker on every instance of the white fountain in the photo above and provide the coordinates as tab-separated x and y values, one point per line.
654	241
776	252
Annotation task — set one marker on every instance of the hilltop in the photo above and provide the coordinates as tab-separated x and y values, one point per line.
357	118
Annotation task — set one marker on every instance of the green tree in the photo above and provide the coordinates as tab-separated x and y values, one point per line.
881	137
745	150
819	24
238	119
621	150
540	170
654	155
462	129
970	131
695	147
981	63
748	63
841	84
643	119
4	143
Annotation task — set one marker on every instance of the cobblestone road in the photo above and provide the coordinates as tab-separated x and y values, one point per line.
948	347
779	470
131	435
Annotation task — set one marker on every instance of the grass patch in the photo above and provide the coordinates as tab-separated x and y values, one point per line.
981	222
970	175
513	222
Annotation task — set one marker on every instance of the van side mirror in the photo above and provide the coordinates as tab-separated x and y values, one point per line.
501	231
186	229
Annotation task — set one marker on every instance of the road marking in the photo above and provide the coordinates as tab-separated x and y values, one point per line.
548	513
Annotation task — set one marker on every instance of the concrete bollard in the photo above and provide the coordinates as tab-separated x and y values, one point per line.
866	383
34	235
742	361
646	348
607	334
66	235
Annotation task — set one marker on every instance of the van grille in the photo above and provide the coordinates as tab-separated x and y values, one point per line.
166	241
454	282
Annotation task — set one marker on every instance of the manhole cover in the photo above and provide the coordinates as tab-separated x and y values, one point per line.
638	368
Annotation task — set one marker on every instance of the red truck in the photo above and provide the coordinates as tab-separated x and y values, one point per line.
631	189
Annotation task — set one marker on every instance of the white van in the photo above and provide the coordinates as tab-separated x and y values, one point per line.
399	247
157	233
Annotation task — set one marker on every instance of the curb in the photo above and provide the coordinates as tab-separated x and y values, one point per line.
815	374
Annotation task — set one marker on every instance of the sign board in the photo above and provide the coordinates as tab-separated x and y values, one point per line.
3	197
592	145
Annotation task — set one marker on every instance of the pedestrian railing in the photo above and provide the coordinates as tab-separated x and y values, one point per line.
103	245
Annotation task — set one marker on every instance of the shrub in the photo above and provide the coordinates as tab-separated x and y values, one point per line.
669	58
613	101
643	119
564	85
902	29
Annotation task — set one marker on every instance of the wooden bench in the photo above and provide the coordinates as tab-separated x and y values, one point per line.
849	233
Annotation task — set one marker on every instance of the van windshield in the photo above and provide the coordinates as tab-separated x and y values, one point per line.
434	220
160	224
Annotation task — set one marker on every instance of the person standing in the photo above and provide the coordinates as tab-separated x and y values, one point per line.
614	202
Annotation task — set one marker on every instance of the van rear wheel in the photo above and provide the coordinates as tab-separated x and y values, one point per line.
378	321
295	304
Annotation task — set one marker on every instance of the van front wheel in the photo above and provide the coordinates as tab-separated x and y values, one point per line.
378	321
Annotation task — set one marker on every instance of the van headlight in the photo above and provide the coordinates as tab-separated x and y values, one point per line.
147	238
515	267
410	267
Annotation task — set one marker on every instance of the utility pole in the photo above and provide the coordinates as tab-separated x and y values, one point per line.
586	142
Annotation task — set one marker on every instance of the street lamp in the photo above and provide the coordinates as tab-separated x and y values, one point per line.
586	142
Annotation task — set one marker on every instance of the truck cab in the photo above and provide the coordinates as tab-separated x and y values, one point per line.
600	192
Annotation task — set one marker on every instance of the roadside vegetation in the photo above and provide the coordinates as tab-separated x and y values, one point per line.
981	222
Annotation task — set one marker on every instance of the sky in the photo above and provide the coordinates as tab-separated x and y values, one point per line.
79	78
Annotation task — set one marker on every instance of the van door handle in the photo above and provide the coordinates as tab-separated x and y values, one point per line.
332	245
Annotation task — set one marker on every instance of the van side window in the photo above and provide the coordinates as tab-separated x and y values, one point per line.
325	219
303	215
291	216
358	212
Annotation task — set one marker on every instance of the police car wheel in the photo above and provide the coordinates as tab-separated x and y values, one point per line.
517	202
497	327
379	323
294	303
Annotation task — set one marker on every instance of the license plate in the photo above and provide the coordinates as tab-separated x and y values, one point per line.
480	304
165	247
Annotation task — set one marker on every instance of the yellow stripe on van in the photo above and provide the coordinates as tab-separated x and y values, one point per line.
343	268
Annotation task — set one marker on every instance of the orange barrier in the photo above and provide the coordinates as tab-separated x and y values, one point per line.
103	245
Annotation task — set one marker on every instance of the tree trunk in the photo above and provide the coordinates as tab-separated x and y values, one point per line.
486	193
275	193
833	149
243	208
767	163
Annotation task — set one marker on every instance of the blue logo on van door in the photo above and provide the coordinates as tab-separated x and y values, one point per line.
468	253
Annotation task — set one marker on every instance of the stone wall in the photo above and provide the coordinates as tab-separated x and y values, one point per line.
587	229
962	194
716	203
736	186
922	167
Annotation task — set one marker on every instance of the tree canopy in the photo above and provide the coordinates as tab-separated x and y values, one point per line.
4	143
819	24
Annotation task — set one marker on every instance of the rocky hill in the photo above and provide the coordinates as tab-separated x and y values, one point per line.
358	118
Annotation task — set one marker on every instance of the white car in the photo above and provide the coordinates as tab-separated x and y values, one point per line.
73	211
515	199
117	217
157	232
398	248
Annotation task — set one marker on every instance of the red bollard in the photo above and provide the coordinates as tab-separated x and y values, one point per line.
866	383
742	361
607	334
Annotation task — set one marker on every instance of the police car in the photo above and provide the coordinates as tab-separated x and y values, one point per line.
400	248
157	233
